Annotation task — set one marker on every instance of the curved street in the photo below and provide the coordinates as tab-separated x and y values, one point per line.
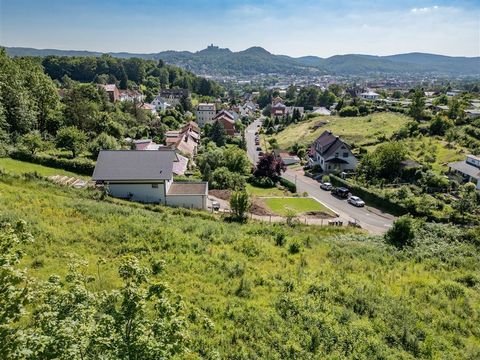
369	218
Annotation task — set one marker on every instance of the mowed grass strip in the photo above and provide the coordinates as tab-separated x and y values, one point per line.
359	130
285	206
257	191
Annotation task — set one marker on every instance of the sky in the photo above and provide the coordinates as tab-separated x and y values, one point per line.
296	27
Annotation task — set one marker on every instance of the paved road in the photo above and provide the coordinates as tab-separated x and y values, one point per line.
369	218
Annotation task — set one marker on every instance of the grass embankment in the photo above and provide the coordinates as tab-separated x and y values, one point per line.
359	130
270	291
296	206
22	167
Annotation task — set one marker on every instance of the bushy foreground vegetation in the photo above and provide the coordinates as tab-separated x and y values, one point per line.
251	290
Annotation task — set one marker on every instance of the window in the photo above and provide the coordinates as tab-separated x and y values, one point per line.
345	154
336	154
154	186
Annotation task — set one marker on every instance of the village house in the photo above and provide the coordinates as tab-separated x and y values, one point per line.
179	167
131	95
468	169
227	120
332	154
173	96
205	114
185	140
279	109
369	95
112	92
147	177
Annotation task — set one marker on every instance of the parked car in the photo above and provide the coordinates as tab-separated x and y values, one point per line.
261	153
215	205
326	186
259	148
356	201
340	192
257	142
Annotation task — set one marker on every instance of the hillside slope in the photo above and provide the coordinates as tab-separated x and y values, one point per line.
256	60
325	293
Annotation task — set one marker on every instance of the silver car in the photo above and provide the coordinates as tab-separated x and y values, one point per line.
356	201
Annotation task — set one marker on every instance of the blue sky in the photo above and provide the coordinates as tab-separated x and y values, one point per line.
295	27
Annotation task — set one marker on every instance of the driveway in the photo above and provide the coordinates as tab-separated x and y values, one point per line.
369	218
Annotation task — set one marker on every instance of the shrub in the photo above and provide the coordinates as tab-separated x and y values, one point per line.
103	142
240	204
294	248
79	166
401	234
348	111
280	239
288	185
261	182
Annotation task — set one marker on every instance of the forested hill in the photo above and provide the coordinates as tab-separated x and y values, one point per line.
256	60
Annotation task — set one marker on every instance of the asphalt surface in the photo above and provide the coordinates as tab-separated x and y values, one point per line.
369	218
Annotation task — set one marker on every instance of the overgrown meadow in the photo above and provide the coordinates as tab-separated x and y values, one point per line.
260	291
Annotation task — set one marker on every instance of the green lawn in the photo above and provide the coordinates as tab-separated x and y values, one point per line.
284	206
21	167
358	130
256	191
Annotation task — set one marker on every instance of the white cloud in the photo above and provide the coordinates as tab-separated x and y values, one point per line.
424	10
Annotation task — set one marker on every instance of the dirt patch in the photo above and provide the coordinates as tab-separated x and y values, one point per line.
258	208
318	215
319	124
220	194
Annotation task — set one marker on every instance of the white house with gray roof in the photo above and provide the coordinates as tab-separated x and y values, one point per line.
147	177
469	169
332	154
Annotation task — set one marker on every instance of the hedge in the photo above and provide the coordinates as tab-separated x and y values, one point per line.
79	166
288	184
370	197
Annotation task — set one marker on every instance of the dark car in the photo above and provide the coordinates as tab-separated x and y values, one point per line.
261	153
259	148
341	192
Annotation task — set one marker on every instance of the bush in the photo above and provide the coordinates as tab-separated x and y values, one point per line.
402	233
288	185
261	182
103	142
294	248
280	239
79	166
348	111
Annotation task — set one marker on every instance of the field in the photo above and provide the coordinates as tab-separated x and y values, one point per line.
358	130
297	206
258	291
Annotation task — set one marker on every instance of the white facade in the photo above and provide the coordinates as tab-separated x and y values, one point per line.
188	201
205	114
161	104
369	95
331	164
146	192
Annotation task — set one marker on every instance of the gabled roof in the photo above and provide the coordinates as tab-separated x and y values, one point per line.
465	168
224	113
133	165
329	143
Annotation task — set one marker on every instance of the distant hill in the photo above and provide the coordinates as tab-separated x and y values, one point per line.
256	60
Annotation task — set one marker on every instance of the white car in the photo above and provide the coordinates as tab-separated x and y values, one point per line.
356	201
